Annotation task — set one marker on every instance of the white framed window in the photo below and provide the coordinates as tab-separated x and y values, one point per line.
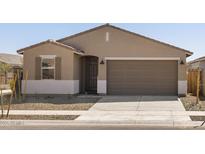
48	67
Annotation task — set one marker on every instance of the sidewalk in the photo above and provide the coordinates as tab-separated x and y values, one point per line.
93	112
106	120
67	124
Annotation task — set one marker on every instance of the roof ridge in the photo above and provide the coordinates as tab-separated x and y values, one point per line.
85	31
20	51
130	32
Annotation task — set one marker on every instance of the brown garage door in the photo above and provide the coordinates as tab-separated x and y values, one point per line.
137	77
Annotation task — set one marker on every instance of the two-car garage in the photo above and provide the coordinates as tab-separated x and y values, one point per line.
142	77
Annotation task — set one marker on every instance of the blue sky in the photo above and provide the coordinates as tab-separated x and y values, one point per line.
187	36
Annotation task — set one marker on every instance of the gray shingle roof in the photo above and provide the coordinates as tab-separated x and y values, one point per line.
189	53
77	51
197	60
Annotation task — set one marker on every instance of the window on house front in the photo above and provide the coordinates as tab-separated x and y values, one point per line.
48	68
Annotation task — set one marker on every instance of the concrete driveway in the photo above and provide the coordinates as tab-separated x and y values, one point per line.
136	108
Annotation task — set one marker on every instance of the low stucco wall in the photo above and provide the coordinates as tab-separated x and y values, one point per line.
50	86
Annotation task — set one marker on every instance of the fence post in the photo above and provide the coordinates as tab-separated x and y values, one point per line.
198	86
25	85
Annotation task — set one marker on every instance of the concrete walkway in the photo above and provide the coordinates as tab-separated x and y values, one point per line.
138	103
83	112
69	124
136	109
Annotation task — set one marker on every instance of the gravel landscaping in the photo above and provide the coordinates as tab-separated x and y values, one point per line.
53	103
40	117
190	104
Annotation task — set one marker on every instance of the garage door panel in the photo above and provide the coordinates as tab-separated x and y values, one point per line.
142	77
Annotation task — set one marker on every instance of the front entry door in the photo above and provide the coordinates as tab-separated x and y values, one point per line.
91	70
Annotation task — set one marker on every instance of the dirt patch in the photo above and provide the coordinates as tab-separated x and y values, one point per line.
50	106
53	103
190	104
40	117
197	118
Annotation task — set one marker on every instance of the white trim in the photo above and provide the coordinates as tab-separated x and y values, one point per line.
51	86
76	86
101	86
182	87
142	58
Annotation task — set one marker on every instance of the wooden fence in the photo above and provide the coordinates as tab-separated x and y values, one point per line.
194	81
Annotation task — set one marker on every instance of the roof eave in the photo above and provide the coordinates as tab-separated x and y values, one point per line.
21	51
80	33
188	53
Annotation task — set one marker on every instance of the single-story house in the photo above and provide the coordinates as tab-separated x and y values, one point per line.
199	63
15	62
105	60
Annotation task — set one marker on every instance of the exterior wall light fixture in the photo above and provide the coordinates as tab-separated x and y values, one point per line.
102	62
182	62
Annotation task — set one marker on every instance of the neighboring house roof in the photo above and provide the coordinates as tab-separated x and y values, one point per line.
188	53
14	60
197	60
75	50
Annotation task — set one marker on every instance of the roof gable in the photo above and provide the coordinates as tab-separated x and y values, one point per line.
188	53
75	50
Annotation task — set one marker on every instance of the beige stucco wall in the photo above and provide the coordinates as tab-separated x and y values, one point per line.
77	67
122	44
67	58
